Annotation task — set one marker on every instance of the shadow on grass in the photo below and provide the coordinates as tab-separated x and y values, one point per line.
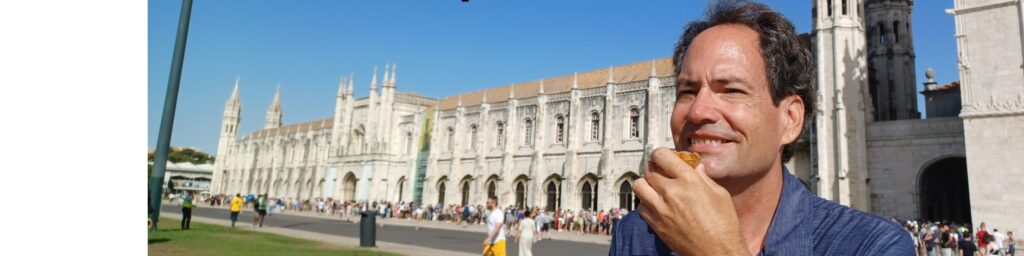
158	240
305	223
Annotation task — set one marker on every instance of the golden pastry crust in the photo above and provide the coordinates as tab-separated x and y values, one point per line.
692	159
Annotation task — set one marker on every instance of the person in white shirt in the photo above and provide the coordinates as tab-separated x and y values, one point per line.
999	239
494	244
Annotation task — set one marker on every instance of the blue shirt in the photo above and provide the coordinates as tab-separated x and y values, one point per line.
804	224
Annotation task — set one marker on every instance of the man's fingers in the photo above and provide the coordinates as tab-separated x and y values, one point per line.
646	193
665	159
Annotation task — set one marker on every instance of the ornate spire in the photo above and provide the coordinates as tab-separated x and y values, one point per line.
575	84
373	84
351	81
276	105
234	93
460	100
341	86
274	114
512	91
485	96
394	67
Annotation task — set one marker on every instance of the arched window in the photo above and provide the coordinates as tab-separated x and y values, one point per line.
465	193
401	188
634	123
520	195
587	196
500	140
896	31
451	138
440	194
528	137
552	192
881	33
844	7
595	125
626	198
472	137
559	128
491	190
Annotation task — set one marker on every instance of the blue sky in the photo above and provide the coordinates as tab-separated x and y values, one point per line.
442	47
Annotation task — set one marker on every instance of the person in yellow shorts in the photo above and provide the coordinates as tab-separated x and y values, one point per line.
494	244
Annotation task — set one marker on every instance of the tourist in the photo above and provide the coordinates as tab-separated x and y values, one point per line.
1011	244
999	239
966	245
991	248
260	207
527	231
494	244
186	210
236	208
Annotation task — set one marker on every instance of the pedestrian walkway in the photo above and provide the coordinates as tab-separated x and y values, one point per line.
402	249
555	235
394	235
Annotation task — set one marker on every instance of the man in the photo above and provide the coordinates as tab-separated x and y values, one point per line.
999	238
494	244
260	205
186	210
744	92
967	247
236	208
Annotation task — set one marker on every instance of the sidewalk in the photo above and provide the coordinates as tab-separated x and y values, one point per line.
555	235
344	241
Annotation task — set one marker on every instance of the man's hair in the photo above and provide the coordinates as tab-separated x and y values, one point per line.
495	198
788	65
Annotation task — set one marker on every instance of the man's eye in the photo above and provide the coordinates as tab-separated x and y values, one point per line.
734	91
687	92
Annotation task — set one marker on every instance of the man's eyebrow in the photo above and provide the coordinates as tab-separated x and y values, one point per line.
727	79
687	82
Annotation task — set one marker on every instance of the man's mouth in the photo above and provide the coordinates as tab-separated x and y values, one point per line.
695	141
708	144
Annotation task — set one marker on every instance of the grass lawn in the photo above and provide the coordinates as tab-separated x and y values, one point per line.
206	239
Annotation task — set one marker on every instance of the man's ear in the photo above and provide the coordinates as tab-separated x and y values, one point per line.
792	117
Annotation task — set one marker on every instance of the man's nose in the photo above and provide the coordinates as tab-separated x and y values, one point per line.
704	108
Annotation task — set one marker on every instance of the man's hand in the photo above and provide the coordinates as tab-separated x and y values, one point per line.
691	213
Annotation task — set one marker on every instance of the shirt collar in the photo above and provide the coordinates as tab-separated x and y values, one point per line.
786	235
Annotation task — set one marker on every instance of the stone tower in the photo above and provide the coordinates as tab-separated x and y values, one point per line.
839	168
891	73
228	132
274	112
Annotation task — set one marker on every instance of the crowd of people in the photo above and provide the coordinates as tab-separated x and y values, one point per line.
949	239
597	222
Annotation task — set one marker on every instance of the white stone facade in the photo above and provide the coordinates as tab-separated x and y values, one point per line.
570	142
362	154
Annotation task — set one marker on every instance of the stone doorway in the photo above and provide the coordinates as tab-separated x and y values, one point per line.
943	191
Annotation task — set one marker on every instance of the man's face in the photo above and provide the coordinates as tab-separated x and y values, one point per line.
490	204
724	110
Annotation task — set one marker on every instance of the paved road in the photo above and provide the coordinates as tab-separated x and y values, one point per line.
452	240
